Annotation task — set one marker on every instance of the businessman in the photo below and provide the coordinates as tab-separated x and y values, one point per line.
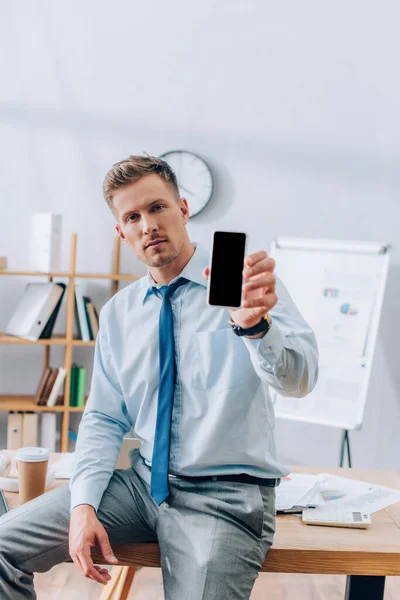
193	382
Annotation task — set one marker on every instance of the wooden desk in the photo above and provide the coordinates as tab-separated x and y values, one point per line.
365	556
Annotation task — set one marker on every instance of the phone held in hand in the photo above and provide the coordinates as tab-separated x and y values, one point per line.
228	251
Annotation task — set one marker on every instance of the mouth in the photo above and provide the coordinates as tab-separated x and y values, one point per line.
155	244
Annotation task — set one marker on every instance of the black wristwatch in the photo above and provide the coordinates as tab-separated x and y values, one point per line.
263	325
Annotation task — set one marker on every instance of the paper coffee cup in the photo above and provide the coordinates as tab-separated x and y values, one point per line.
32	470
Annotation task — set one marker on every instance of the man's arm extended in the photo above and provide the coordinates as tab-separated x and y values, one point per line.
286	357
103	425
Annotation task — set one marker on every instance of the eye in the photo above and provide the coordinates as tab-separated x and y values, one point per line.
158	206
131	218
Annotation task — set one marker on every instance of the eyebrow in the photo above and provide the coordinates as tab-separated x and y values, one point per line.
132	211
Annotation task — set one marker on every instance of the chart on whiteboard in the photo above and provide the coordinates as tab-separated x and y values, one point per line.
342	309
342	314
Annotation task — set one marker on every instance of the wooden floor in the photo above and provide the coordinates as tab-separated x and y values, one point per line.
61	581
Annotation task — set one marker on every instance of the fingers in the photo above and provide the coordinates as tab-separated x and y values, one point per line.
88	568
267	280
106	550
265	302
259	262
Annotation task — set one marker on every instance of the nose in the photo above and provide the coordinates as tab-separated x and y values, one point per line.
149	224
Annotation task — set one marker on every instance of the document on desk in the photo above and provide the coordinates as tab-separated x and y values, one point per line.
356	495
298	490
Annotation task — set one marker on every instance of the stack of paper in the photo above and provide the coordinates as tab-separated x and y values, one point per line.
298	491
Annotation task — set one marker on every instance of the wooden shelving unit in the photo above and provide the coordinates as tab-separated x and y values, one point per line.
25	403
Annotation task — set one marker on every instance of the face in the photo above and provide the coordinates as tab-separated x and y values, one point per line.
151	220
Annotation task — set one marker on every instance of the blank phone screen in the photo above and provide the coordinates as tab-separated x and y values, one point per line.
227	264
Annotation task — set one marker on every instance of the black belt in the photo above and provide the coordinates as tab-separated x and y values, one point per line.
242	478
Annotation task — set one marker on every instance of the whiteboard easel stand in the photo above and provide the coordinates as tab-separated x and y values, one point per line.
345	443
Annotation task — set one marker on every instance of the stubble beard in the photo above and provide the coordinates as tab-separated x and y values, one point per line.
161	260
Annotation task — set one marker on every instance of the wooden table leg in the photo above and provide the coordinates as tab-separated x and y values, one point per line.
359	587
108	590
124	583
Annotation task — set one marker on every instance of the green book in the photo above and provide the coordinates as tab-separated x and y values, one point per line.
73	387
80	395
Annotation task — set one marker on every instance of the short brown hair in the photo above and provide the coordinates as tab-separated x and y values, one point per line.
132	169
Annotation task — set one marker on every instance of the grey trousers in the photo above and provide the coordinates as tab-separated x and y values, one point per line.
213	535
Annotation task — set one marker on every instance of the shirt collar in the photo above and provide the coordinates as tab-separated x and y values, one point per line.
193	272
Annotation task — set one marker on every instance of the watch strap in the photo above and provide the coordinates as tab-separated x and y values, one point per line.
263	325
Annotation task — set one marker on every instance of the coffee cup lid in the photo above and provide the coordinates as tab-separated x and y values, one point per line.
33	454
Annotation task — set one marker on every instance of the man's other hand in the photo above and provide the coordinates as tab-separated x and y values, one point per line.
86	531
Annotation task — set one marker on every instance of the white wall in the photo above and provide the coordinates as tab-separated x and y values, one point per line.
294	105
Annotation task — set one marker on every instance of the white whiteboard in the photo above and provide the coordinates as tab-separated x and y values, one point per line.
338	288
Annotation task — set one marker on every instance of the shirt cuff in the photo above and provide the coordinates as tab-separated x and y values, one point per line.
268	348
82	493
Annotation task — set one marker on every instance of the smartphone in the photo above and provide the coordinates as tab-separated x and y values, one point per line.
3	504
228	251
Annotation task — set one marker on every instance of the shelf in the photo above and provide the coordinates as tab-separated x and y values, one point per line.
112	276
82	343
55	340
27	403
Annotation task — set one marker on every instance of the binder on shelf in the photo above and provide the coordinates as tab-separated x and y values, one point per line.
48	330
57	387
80	316
29	429
48	431
14	431
34	310
45	242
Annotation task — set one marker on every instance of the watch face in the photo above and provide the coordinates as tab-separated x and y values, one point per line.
194	178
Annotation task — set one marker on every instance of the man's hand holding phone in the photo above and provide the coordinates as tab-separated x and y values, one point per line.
259	294
245	285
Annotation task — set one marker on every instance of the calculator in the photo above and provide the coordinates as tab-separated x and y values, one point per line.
336	517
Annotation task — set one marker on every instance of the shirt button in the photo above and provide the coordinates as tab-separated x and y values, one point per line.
269	349
173	419
171	456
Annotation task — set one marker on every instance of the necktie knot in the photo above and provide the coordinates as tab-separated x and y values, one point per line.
166	291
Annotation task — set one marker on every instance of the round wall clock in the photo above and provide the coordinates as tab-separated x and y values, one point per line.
194	178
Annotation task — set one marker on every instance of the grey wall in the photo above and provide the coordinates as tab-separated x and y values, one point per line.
294	105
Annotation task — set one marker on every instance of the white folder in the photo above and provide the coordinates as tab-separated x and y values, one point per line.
34	310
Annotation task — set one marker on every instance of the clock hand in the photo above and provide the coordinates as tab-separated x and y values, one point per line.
185	189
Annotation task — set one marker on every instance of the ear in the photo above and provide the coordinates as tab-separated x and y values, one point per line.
120	233
184	208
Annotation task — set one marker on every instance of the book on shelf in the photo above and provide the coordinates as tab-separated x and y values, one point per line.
42	384
57	388
51	379
77	386
36	312
86	316
93	319
73	385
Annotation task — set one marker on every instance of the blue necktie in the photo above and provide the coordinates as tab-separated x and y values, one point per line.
159	467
